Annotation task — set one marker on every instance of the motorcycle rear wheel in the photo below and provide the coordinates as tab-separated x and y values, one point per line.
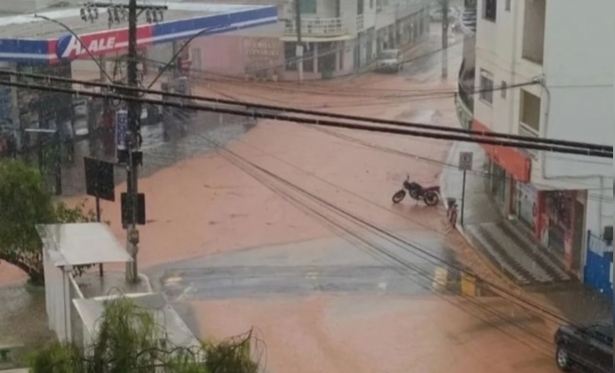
431	198
399	196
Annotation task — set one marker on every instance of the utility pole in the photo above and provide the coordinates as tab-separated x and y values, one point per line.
299	52
445	7
132	143
132	139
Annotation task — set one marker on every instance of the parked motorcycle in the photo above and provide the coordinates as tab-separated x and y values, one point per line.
431	195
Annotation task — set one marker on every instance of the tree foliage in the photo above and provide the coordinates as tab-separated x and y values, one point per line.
128	340
24	202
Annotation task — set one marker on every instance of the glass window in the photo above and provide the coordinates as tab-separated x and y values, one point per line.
486	86
307	6
490	10
602	332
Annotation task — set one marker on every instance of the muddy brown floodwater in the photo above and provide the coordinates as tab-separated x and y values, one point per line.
207	205
372	334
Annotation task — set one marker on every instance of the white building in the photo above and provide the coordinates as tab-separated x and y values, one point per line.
566	46
341	36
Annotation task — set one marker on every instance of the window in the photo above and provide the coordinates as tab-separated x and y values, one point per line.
534	31
307	6
507	5
486	86
503	89
530	111
490	10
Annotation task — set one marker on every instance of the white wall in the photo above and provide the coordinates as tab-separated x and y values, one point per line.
600	211
578	71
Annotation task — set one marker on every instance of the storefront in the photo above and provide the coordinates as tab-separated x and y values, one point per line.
562	227
25	110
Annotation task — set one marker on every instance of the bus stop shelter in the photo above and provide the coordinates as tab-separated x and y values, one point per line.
66	246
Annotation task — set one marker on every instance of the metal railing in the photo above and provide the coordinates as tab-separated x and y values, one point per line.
466	96
317	27
467	21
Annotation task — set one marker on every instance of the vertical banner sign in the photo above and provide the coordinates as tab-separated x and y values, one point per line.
121	129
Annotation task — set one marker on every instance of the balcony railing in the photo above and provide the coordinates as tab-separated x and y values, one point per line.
467	20
319	27
526	130
466	96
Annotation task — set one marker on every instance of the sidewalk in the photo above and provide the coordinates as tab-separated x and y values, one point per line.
508	249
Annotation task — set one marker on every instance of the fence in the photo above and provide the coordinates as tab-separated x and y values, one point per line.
599	265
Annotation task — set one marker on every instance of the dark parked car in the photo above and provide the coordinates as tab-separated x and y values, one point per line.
589	347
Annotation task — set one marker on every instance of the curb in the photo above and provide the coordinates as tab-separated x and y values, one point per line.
492	267
461	230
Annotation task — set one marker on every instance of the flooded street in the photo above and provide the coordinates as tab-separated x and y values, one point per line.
290	229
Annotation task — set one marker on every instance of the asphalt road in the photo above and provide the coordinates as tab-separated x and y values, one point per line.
332	265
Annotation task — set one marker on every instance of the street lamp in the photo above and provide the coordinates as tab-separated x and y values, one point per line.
83	45
176	55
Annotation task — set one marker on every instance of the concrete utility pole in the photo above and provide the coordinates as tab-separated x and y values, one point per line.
445	7
299	52
132	143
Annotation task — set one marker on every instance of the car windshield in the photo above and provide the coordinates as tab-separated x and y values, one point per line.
388	55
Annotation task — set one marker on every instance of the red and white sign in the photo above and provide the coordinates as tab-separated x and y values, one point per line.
69	47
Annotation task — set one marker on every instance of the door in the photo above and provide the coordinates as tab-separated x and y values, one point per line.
578	230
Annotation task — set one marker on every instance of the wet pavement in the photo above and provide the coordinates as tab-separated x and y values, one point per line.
329	266
512	253
23	319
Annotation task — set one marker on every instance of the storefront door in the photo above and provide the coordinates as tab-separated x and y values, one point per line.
498	186
557	237
559	206
577	239
526	204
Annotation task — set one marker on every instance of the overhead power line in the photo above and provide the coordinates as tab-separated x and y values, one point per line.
251	105
324	122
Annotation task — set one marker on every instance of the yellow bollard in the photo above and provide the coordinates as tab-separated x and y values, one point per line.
468	285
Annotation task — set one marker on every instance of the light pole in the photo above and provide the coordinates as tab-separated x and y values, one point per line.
83	45
168	64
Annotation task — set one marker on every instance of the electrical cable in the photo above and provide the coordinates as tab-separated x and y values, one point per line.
397	238
330	123
400	261
383	252
423	251
250	105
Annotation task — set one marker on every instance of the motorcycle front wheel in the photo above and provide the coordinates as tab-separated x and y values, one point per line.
431	198
398	196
